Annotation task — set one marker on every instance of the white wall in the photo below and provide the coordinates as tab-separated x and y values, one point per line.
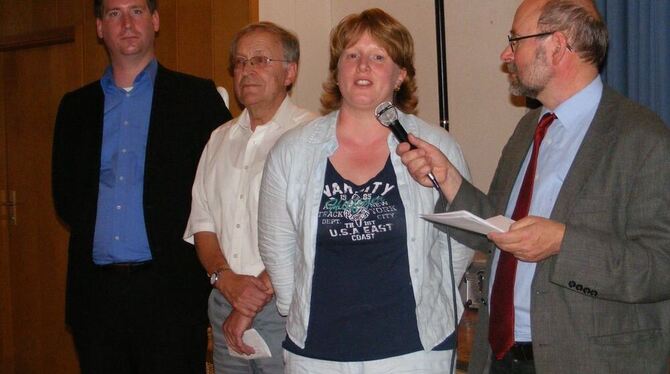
481	113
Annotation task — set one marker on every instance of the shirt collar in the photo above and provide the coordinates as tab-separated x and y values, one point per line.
580	107
284	112
148	74
281	118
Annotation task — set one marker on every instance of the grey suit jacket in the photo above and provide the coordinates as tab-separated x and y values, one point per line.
602	305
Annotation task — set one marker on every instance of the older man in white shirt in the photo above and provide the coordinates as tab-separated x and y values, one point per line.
223	223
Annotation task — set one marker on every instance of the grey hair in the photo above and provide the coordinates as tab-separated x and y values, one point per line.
582	24
289	41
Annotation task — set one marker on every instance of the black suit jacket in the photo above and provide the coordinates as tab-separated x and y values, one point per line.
184	111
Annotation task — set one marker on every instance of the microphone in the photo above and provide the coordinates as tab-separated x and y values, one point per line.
387	114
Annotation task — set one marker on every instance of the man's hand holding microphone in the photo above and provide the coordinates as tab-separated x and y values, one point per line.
426	159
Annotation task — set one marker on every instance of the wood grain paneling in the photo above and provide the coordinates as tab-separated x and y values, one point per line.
6	329
229	16
31	16
166	40
37	39
95	56
194	38
37	245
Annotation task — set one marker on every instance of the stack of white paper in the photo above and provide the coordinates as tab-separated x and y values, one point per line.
253	339
465	220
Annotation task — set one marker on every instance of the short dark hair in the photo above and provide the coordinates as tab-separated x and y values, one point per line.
581	23
97	6
289	42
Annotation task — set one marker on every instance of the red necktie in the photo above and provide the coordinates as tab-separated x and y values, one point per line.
501	320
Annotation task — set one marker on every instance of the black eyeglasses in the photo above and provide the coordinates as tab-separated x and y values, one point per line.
514	40
255	62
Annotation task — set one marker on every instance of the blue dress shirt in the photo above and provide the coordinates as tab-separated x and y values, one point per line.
120	232
557	151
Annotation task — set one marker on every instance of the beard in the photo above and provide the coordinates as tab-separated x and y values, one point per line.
537	79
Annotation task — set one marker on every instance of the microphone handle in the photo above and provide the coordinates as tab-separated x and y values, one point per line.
435	184
400	134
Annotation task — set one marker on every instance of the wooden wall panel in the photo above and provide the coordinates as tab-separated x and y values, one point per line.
6	325
95	56
29	16
229	16
194	38
16	17
166	40
36	77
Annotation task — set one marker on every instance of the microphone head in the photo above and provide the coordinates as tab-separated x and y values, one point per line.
386	113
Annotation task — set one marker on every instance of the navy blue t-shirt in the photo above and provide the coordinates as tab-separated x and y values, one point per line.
362	305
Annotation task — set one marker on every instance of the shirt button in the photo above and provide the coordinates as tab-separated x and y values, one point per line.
116	237
118	207
413	239
246	167
123	150
238	225
121	178
242	196
235	255
128	94
125	123
416	270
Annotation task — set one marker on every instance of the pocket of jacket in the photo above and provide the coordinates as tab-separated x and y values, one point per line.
627	338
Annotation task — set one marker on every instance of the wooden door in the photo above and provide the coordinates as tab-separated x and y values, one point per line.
36	71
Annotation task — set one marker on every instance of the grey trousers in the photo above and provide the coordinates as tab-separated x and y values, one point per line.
269	324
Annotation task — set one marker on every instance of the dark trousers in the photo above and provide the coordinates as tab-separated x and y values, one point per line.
125	337
518	360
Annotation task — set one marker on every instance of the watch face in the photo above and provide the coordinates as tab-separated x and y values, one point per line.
213	278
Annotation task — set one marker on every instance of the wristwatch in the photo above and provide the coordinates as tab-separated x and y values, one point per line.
214	277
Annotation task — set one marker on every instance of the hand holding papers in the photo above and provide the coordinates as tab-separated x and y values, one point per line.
253	339
465	220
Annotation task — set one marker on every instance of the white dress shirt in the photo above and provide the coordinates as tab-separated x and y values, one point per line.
227	182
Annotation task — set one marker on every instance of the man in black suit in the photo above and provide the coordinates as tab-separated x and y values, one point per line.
124	158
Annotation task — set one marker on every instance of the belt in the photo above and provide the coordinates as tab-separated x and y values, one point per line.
522	351
126	267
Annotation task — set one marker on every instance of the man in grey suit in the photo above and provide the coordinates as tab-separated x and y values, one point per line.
589	289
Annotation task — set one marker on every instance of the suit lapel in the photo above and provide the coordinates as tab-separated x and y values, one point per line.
590	153
593	147
512	158
160	96
91	123
93	141
158	123
97	108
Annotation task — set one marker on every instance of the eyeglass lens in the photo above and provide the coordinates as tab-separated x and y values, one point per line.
254	61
